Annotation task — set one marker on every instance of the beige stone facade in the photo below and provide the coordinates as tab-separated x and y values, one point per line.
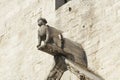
93	23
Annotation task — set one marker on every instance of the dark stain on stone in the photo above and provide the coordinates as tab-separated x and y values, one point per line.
91	25
83	26
1	37
70	8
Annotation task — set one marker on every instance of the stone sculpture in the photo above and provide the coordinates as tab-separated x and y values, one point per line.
61	48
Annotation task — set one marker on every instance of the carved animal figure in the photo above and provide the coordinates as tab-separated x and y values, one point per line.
60	48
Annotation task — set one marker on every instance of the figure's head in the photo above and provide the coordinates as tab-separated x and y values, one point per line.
42	21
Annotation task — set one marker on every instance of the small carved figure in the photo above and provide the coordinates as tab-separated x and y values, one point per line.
60	48
48	34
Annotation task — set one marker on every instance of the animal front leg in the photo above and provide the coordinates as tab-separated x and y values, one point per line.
55	75
52	75
59	74
59	68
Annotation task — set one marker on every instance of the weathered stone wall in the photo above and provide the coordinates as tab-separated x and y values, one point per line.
93	23
19	57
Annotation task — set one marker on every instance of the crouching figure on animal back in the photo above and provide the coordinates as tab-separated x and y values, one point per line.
48	34
53	37
61	48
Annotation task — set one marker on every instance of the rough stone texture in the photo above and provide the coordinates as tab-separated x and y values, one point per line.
93	23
